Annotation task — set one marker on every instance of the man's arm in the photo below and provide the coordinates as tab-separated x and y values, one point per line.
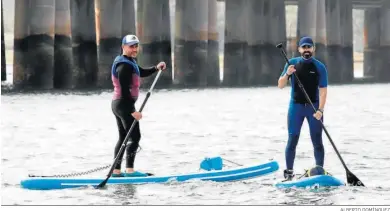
323	93
283	79
323	84
145	72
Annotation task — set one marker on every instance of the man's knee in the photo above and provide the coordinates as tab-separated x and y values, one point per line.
292	141
316	138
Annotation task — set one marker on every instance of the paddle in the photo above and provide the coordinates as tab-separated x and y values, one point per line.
103	183
351	178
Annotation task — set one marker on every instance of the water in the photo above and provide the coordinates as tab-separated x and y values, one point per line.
54	133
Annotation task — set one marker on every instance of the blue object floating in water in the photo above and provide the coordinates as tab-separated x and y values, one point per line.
214	163
318	180
227	175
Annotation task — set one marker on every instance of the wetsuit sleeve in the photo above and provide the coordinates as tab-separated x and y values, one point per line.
125	72
145	72
323	75
284	70
292	62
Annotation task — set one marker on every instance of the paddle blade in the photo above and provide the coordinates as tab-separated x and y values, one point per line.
102	184
353	180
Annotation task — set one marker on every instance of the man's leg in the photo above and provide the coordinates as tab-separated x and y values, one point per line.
133	144
316	138
294	121
122	134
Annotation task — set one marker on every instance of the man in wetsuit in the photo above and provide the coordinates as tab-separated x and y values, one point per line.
314	78
125	75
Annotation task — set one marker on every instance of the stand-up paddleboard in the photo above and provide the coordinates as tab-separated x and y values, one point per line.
313	181
50	183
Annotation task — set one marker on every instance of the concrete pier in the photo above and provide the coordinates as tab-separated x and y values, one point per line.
320	38
384	45
191	37
276	34
154	34
34	44
63	58
109	32
213	75
128	17
149	35
372	26
312	22
165	45
236	70
333	34
256	37
307	20
347	71
83	29
3	61
264	59
71	44
179	58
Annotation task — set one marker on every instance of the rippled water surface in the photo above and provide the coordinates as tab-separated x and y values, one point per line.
56	133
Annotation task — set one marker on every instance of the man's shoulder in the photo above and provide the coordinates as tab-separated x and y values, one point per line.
319	63
295	60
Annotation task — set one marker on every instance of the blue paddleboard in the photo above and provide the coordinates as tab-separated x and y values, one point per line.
51	183
313	181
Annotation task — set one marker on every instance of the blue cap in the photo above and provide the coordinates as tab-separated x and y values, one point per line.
130	40
306	41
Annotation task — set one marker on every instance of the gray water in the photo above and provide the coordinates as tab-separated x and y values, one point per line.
54	133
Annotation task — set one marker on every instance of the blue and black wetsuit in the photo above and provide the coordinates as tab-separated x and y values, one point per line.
313	75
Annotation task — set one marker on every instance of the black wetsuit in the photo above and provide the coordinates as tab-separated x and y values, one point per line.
126	72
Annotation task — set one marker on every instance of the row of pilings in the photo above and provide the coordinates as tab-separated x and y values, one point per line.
70	44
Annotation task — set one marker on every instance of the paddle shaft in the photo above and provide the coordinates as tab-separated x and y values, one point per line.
315	110
102	184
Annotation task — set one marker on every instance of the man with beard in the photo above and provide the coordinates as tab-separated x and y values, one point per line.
314	78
